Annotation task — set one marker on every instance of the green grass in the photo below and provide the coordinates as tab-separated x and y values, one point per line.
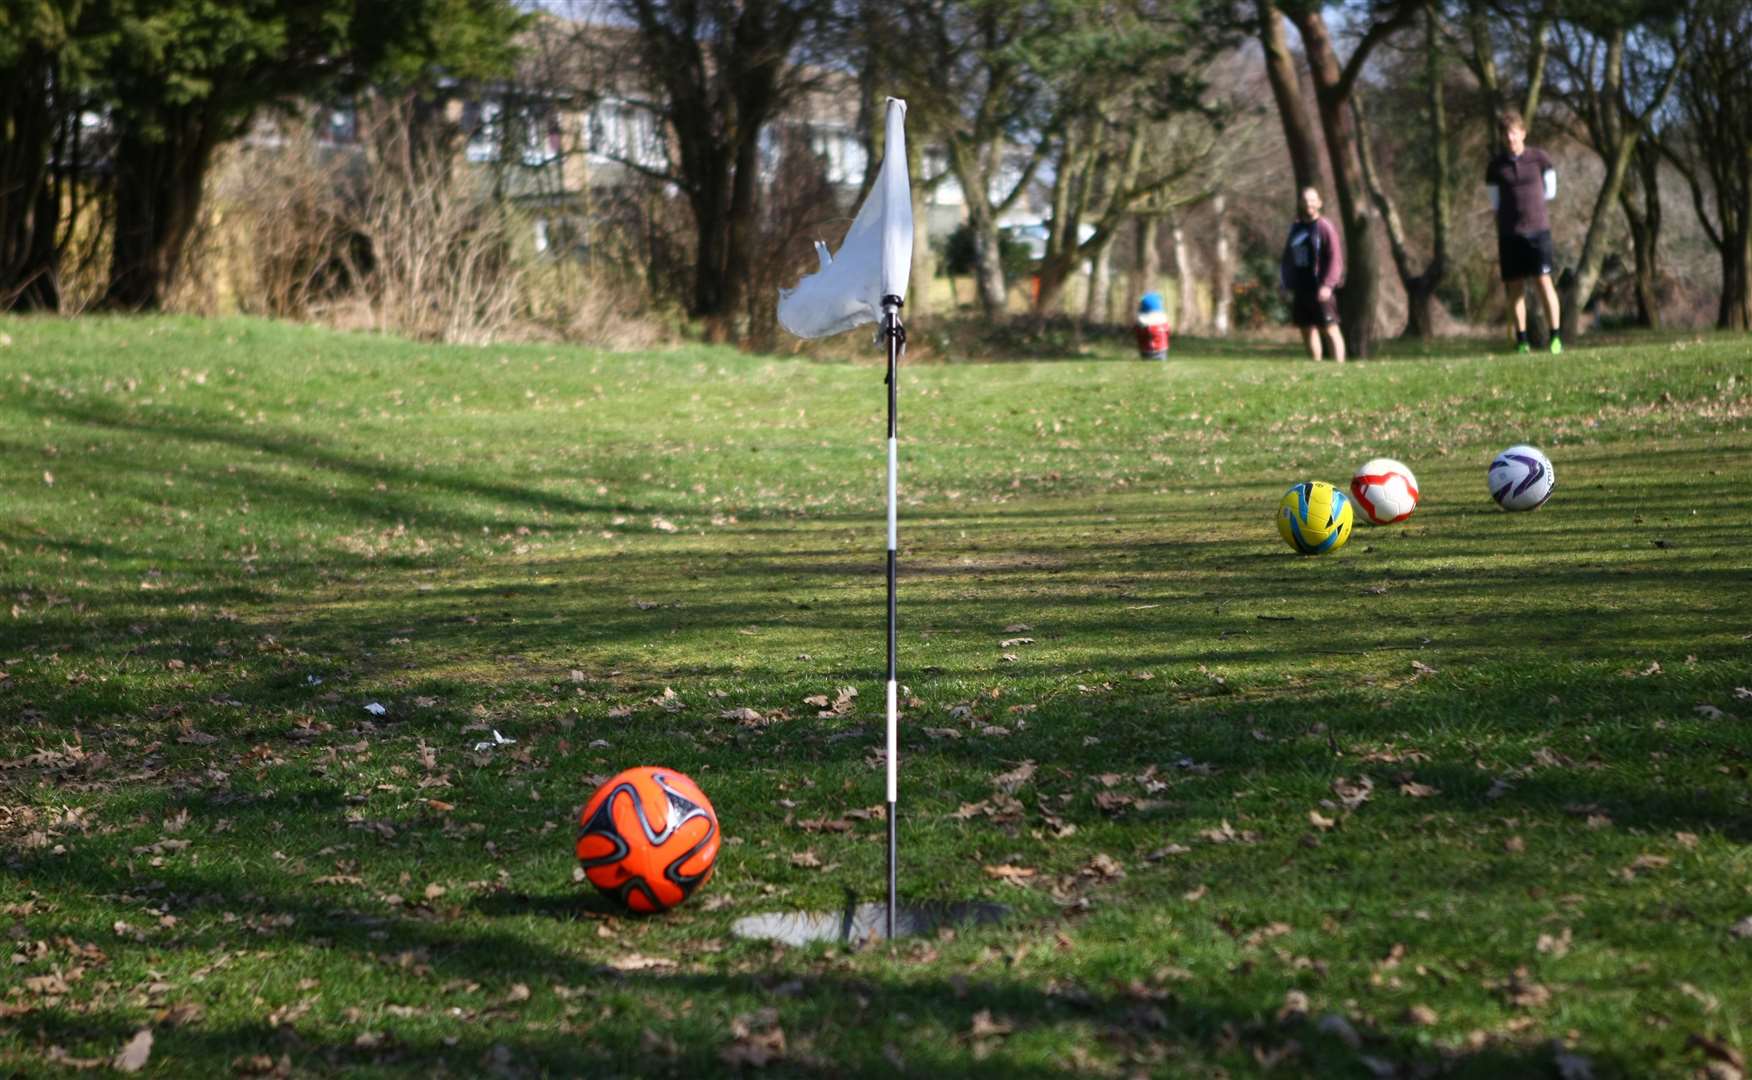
222	540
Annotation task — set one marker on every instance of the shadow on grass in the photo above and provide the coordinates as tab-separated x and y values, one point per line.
587	1015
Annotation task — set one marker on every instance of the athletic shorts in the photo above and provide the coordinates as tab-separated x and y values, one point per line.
1525	256
1307	309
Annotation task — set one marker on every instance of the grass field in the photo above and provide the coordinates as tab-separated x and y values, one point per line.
1470	796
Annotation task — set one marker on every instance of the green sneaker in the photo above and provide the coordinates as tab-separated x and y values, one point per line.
1556	345
1523	348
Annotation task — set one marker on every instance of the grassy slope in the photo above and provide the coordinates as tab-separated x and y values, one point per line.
479	539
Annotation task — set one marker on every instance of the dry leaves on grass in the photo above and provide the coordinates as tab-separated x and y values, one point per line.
1417	790
1353	793
134	1054
986	1026
1015	875
1010	782
639	962
1421	1016
1320	821
1103	867
843	703
757	1041
1520	990
1226	833
1723	1061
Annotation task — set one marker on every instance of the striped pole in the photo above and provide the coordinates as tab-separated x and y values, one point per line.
896	335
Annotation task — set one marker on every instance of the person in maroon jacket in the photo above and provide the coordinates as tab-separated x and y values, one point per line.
1521	180
1312	267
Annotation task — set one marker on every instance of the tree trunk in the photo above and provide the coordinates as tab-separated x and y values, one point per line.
157	199
743	227
918	299
1641	202
1183	279
1333	85
988	272
1222	270
1095	305
1147	259
29	210
1287	90
1420	286
1735	312
1620	131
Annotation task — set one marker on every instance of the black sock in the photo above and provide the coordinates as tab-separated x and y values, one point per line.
1520	337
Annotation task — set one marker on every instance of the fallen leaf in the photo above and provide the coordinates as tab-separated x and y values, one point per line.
132	1057
1421	1015
1558	945
1719	1052
1193	896
1225	833
759	1041
1009	782
1520	989
1353	795
1320	821
1015	875
1009	643
1104	867
743	715
1166	850
806	860
1417	790
1742	929
986	1027
639	962
1294	1009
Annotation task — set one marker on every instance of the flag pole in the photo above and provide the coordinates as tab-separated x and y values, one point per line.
896	335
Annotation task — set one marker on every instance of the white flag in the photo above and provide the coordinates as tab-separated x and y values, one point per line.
873	261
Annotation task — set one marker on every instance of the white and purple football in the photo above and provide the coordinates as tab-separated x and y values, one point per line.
1521	478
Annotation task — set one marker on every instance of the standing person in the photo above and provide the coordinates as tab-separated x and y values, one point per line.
1312	267
1521	180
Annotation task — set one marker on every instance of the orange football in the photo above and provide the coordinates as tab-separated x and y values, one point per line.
648	838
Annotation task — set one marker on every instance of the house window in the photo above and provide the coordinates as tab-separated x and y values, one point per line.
481	120
623	132
841	152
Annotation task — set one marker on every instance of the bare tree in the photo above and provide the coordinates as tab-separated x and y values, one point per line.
1617	75
1713	145
716	72
1335	81
1420	285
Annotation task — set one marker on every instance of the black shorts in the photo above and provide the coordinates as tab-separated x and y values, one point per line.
1525	256
1307	309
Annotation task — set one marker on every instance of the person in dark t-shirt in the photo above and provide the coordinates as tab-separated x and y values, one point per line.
1312	267
1521	180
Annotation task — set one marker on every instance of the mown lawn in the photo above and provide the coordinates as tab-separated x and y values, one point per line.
1470	796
